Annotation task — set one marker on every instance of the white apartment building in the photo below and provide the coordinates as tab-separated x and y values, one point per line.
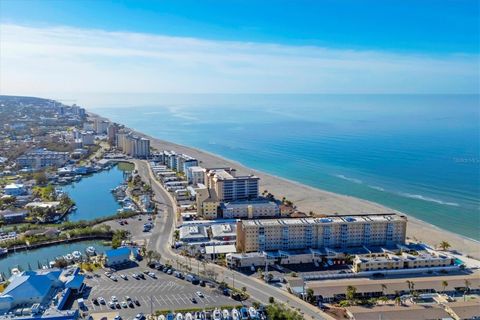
250	209
87	137
333	232
195	175
41	158
184	162
132	145
229	187
100	126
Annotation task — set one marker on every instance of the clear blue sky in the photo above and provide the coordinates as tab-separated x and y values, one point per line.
231	46
419	26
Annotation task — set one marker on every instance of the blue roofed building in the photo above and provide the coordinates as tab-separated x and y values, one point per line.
117	257
41	294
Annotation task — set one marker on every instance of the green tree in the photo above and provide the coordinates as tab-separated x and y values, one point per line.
40	178
277	311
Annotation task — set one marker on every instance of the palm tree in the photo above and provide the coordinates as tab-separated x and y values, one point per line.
351	293
310	295
444	245
398	300
409	284
444	285
467	288
383	299
384	289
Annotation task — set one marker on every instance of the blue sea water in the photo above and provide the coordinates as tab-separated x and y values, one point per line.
415	153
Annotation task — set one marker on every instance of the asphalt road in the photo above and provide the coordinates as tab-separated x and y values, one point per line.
161	241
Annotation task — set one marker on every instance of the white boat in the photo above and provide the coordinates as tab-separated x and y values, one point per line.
235	314
15	271
90	251
188	316
217	315
179	316
226	314
3	251
51	264
68	257
252	312
161	317
76	255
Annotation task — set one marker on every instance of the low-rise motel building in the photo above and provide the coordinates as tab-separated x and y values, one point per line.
332	290
401	260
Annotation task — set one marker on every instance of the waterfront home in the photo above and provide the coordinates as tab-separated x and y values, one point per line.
9	216
15	189
41	158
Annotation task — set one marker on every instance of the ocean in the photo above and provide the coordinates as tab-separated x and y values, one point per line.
419	154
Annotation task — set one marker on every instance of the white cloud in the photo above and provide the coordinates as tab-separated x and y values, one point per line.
70	60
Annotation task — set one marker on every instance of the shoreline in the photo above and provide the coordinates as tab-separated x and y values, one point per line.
308	198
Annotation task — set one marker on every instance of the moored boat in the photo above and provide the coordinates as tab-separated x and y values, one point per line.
90	251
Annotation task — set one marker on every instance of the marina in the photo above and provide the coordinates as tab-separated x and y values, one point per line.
92	195
33	259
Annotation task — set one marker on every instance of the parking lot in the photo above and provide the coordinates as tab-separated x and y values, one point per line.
134	225
164	292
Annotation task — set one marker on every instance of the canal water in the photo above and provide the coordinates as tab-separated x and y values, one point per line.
92	195
32	258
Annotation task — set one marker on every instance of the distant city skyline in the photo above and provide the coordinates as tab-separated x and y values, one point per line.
74	48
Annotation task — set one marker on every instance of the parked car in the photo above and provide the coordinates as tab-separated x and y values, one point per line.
200	294
95	301
137	302
101	300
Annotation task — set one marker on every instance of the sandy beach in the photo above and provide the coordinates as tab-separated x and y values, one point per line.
308	199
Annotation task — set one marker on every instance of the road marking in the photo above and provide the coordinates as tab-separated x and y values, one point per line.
157	300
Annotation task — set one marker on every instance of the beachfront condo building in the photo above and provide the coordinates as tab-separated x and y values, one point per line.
195	175
249	209
112	133
184	162
229	187
132	145
316	233
100	126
